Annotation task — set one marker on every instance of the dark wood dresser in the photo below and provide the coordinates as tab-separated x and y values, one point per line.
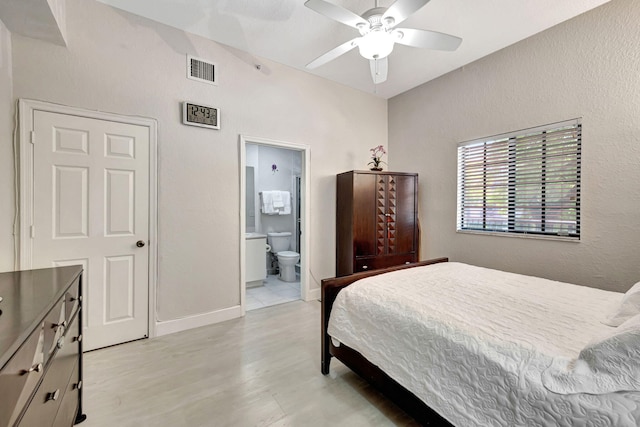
41	347
376	220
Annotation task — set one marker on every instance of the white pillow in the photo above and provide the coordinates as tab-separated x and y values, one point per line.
607	364
629	307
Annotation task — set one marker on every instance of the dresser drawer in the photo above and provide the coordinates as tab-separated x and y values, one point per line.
69	406
47	398
54	326
71	300
375	263
19	377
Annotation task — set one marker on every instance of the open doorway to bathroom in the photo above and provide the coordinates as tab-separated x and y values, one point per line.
274	189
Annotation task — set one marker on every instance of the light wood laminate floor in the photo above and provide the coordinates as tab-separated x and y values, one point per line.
260	370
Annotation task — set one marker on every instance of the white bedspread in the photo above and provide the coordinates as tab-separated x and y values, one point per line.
472	343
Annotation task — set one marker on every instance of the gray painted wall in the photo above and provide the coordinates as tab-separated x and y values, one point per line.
586	67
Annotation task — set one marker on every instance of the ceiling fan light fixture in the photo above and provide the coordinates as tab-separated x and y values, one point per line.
376	45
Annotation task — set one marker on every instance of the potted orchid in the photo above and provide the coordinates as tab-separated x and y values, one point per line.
376	157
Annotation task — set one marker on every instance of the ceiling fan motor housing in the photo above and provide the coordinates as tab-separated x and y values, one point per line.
374	17
377	40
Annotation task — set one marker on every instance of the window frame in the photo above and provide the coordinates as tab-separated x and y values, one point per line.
508	227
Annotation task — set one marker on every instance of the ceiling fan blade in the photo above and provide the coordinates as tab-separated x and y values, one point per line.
333	53
379	68
402	9
336	13
426	39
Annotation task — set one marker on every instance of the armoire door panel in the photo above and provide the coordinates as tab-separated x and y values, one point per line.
364	221
406	215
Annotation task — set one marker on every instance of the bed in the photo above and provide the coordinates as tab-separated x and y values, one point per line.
454	344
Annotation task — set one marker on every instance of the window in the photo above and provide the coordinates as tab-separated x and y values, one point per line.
525	182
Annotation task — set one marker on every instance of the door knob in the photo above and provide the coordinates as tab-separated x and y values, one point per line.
140	243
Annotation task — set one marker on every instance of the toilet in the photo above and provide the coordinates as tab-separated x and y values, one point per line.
287	259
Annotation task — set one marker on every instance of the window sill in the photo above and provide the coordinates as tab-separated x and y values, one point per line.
521	235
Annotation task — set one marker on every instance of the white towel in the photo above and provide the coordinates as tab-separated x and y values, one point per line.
267	203
286	199
278	199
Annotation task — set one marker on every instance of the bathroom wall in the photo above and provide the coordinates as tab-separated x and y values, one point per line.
288	165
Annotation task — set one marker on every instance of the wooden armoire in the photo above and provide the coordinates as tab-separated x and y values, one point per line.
376	220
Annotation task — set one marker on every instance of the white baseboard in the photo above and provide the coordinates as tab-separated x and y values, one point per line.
204	319
254	284
313	294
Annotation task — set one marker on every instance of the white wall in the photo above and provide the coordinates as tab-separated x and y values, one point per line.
122	63
7	193
586	67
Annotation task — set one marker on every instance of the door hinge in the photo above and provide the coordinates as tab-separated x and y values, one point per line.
33	136
33	231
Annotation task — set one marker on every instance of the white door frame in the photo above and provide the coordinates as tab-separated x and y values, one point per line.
26	109
305	211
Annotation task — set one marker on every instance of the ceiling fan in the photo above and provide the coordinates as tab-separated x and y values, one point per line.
378	33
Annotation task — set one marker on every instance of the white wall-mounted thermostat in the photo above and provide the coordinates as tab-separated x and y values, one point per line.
200	115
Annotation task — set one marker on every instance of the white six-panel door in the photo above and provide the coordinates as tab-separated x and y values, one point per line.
91	207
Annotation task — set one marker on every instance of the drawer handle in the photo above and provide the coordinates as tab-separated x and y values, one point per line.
34	368
78	338
54	395
63	324
72	299
364	267
407	263
79	385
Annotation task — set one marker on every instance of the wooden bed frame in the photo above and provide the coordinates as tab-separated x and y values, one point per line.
359	364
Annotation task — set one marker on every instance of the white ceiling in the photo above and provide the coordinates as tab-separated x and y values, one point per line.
287	32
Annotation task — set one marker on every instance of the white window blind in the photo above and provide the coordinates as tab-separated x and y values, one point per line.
525	182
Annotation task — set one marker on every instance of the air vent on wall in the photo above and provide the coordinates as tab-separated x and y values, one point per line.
201	70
